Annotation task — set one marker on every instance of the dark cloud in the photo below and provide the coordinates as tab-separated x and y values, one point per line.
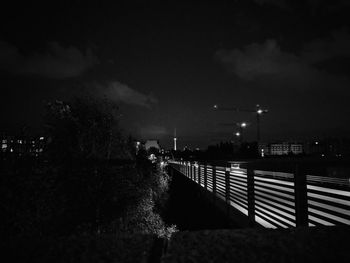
57	62
333	5
338	45
280	3
314	6
268	60
153	131
119	92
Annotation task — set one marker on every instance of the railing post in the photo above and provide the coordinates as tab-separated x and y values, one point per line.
214	181
227	185
250	195
300	190
205	177
194	172
191	171
188	170
199	174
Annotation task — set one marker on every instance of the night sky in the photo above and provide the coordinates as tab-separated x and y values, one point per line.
167	63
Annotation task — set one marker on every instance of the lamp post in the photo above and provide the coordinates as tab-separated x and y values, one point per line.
258	111
241	126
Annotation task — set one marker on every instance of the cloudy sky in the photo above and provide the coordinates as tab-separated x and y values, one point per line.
168	62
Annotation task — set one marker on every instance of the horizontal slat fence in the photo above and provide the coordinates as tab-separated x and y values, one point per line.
274	199
328	201
238	193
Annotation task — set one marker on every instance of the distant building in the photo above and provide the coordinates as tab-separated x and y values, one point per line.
278	149
296	148
20	146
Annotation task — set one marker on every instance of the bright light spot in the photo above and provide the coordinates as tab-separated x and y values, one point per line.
316	143
322	155
152	157
259	111
262	153
238	134
215	106
11	150
243	124
41	138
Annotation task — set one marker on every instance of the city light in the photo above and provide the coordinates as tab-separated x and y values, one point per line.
258	112
238	134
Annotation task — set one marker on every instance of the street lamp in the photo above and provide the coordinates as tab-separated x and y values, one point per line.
241	126
259	112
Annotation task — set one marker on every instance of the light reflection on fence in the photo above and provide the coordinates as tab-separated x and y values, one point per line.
274	199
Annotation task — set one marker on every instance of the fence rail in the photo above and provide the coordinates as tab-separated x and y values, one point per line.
274	199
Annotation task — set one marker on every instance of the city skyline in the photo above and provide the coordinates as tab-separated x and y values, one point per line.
166	64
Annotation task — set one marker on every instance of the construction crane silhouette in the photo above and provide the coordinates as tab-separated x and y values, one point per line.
258	111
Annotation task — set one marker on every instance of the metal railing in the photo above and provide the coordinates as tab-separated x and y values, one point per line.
274	199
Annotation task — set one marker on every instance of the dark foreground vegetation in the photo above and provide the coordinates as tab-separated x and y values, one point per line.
88	186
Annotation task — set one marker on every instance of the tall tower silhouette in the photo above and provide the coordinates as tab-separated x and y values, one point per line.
175	139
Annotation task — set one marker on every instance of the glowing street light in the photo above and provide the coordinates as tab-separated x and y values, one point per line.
241	126
258	111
